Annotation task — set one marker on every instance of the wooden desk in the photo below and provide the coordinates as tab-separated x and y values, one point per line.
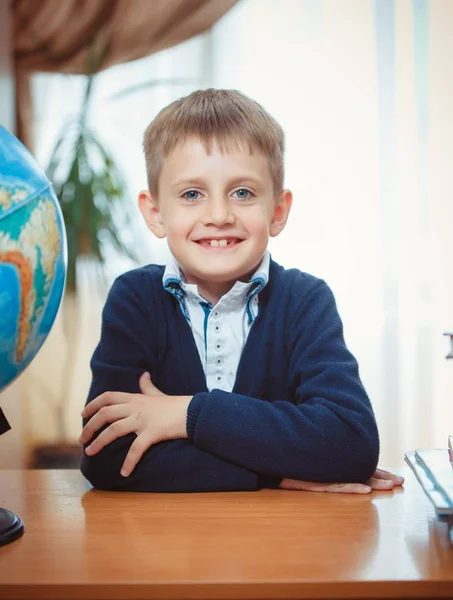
80	543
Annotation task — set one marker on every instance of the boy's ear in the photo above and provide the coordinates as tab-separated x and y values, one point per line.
281	213
149	208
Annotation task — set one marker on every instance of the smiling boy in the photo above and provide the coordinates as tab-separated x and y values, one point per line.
223	370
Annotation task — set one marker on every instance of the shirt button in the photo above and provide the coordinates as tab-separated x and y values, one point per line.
218	347
219	378
216	314
219	362
217	328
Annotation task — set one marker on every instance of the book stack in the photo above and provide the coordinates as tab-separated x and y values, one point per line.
434	471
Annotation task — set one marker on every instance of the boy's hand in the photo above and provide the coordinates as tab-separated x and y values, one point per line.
153	416
381	480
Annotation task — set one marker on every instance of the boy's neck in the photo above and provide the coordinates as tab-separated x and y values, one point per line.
212	292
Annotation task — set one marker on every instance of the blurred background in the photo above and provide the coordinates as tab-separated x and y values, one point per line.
364	92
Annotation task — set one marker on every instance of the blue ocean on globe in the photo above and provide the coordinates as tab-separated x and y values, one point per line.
33	257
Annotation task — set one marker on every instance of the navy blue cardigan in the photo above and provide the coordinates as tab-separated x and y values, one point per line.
297	410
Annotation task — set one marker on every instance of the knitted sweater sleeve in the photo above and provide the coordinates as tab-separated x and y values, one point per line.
326	432
126	349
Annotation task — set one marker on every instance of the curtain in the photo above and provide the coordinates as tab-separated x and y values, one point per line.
82	36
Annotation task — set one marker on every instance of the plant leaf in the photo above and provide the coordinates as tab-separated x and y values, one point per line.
93	198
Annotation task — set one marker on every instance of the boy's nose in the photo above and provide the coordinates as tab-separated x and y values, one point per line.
218	212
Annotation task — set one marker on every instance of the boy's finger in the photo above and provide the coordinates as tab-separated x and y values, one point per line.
338	488
147	387
380	484
105	399
115	430
381	474
347	488
136	451
108	414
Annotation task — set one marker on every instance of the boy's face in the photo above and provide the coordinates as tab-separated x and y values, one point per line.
217	211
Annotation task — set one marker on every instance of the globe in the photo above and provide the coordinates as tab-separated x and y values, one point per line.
33	256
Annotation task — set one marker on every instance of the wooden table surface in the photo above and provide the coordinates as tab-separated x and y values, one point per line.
80	543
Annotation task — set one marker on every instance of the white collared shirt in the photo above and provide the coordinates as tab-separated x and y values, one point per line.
220	331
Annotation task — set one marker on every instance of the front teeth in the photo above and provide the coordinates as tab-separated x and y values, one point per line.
217	243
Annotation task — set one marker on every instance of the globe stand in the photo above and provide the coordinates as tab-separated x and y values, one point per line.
11	527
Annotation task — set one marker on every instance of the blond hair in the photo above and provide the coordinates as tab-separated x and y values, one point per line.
221	117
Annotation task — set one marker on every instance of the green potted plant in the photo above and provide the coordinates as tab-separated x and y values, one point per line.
96	210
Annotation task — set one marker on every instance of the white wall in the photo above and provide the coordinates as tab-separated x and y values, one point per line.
364	92
11	450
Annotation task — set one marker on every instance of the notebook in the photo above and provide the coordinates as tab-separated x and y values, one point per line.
434	471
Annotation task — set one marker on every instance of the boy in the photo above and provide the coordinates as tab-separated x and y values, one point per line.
223	371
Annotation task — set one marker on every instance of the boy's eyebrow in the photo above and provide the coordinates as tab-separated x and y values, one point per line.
187	182
246	179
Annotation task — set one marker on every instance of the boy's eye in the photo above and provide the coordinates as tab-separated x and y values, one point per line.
242	194
191	195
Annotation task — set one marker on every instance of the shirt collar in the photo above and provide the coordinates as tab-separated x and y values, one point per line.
172	275
261	275
173	278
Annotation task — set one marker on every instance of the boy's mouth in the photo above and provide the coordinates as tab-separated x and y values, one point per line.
219	242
